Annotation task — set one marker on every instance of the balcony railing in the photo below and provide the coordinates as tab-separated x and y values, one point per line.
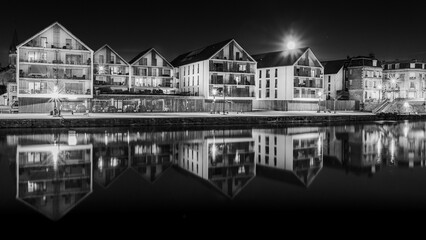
63	45
110	83
248	81
80	63
65	91
50	75
307	84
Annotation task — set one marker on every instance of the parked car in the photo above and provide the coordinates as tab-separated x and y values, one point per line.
129	108
110	109
80	108
97	108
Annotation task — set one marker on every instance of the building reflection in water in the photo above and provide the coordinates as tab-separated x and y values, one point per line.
291	155
111	154
151	153
54	170
53	175
225	158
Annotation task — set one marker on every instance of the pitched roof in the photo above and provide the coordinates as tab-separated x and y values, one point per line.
333	67
200	54
112	50
140	55
63	28
280	58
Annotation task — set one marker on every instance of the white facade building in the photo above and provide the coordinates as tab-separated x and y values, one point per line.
289	75
53	64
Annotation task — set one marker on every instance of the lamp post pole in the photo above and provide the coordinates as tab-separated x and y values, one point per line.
214	100
224	101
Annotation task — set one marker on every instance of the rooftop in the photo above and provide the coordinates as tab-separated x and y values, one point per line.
280	58
200	54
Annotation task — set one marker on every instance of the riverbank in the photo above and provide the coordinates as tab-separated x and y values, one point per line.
257	118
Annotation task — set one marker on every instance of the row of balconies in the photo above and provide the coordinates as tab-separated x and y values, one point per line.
232	80
231	67
37	43
51	75
55	61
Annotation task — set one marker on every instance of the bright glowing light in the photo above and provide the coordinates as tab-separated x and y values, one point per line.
319	94
72	140
214	150
214	91
406	105
114	162
100	163
291	45
379	87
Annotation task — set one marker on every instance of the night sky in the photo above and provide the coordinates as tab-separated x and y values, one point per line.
332	30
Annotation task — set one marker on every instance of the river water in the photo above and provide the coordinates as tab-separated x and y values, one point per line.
99	175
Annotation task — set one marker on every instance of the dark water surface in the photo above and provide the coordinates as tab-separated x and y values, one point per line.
147	177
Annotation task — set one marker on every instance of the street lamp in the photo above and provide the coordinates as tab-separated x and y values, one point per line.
319	100
291	45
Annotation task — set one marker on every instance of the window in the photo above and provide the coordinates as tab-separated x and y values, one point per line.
198	80
268	73
276	72
329	79
242	67
275	151
184	71
275	161
112	59
260	93
276	93
198	68
350	82
260	83
193	69
329	87
276	83
260	73
275	140
350	71
101	59
267	140
266	159
260	139
260	149
189	69
258	158
412	85
184	80
193	81
43	41
267	83
267	93
68	43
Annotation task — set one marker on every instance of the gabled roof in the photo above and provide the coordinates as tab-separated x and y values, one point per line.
112	50
280	58
53	24
200	54
333	67
141	54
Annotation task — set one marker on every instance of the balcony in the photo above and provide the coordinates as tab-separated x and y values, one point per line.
307	84
231	67
45	87
51	75
232	80
37	43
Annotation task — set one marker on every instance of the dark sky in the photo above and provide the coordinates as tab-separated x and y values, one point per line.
333	30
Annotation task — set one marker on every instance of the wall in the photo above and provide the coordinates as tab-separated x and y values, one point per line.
283	105
35	105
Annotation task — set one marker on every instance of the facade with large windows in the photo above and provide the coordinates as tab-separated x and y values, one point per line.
53	64
151	73
294	155
289	75
111	71
404	79
224	158
364	78
222	72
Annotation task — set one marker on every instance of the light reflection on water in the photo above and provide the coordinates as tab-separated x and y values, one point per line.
54	172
